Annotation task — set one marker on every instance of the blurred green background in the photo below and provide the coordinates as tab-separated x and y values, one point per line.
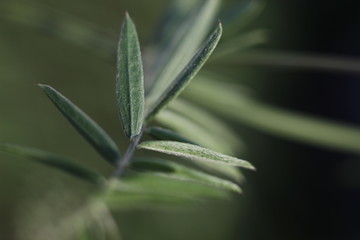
298	192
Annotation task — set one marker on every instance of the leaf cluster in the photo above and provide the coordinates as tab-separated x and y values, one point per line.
140	182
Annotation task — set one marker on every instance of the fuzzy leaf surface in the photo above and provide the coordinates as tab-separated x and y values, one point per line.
194	152
87	127
130	80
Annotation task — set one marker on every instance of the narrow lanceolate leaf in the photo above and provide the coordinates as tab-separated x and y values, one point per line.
176	171
55	161
88	128
130	80
187	73
166	134
194	152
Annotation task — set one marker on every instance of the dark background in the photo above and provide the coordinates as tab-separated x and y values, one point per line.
298	192
305	192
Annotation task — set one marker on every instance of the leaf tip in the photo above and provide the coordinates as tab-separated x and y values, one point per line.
251	167
220	28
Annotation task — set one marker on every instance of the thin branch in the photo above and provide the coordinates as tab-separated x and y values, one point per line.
124	161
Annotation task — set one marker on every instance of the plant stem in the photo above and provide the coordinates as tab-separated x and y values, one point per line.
124	161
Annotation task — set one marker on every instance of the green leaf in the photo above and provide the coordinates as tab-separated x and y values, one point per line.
194	131
89	129
146	190
176	171
194	152
274	120
166	134
130	80
224	171
184	29
217	128
187	74
54	160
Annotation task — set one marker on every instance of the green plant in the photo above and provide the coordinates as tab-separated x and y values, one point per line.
140	181
172	50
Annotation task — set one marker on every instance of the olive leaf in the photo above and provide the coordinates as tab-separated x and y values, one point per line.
194	152
187	73
130	80
87	127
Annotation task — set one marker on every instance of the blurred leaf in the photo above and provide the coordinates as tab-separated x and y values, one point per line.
194	131
89	129
242	42
182	173
129	200
95	222
130	80
292	60
189	24
144	190
102	217
56	161
224	171
175	17
166	134
216	127
241	14
187	74
60	24
229	172
194	152
274	120
218	84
